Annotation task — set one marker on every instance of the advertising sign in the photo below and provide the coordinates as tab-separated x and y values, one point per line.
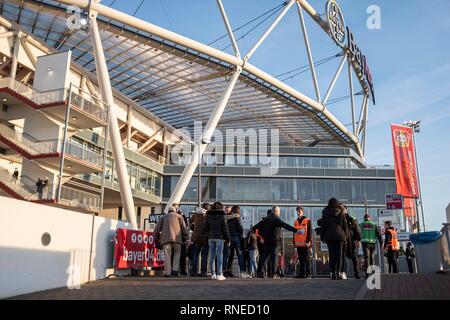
405	162
394	202
388	215
136	249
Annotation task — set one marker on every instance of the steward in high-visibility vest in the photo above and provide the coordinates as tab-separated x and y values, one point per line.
391	242
391	246
302	243
369	232
303	238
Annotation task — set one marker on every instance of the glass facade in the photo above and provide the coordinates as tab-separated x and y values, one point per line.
283	161
285	190
141	178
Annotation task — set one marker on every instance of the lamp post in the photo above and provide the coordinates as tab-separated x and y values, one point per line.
415	125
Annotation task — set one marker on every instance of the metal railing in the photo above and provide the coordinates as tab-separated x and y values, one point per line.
84	154
25	187
38	97
93	106
27	143
80	199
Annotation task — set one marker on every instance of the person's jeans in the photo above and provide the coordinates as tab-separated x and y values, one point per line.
368	251
335	252
410	265
171	252
215	250
253	265
203	250
392	258
269	253
235	247
183	257
304	261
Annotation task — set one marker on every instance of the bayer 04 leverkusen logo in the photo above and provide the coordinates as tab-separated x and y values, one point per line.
336	22
402	138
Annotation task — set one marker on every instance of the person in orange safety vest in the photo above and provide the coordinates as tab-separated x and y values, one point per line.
391	246
302	243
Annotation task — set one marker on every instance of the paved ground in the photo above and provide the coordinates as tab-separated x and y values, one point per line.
393	287
247	289
412	287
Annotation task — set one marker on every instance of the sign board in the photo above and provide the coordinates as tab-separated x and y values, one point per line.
394	202
388	215
403	236
154	218
136	249
344	38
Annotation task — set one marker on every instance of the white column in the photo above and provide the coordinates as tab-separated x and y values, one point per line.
189	170
114	133
15	55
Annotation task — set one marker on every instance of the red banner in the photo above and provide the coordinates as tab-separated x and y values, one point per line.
405	163
136	249
409	207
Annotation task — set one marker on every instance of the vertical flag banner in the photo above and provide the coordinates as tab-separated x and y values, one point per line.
405	162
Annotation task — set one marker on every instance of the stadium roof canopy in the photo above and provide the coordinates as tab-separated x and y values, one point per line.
180	80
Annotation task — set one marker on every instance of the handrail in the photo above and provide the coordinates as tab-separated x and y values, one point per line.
33	147
80	199
32	94
84	154
28	190
92	106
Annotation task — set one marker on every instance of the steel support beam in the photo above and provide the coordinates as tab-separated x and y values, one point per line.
200	147
333	82
269	30
308	50
362	114
116	142
229	29
352	95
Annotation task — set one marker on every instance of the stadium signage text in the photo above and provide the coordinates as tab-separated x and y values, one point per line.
343	36
136	249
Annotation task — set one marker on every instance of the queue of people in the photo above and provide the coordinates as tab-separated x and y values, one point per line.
218	237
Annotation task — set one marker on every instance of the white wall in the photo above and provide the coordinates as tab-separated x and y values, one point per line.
27	266
52	71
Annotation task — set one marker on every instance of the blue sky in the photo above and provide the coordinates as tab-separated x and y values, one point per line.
409	59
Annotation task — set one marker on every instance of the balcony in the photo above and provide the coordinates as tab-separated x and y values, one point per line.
86	111
26	189
77	159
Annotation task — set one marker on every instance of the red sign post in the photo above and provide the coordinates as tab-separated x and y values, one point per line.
136	249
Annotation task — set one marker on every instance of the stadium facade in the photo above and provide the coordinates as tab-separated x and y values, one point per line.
56	112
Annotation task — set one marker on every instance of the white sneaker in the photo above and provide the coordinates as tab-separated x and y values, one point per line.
213	276
343	276
220	277
244	275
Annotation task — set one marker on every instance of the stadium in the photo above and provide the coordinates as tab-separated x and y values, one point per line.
96	105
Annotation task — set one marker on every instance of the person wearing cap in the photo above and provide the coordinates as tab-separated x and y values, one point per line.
171	231
370	233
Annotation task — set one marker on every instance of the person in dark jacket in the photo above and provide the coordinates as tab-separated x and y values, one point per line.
184	245
410	255
200	241
270	230
217	229
228	254
236	234
252	247
351	246
333	232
